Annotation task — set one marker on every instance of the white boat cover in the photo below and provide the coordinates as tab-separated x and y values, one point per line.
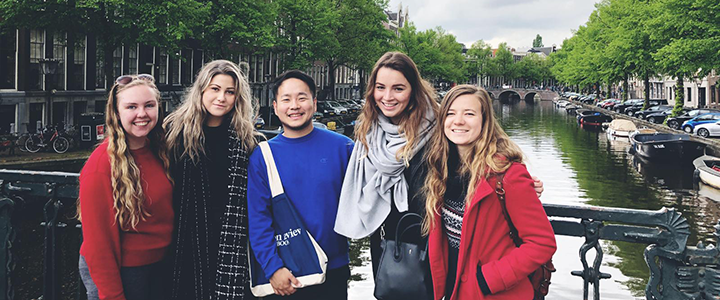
622	125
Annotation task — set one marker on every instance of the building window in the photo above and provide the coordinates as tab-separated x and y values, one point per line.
59	43
258	68
117	62
162	67
175	74
186	67
8	51
37	45
251	69
79	68
99	68
132	60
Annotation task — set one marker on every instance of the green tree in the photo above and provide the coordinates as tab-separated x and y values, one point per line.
437	53
537	42
305	31
360	35
479	54
531	68
503	64
689	32
229	27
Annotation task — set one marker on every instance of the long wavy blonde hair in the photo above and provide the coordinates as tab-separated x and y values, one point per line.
422	99
128	194
493	152
185	125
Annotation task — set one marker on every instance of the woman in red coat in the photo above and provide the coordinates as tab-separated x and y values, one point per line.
472	255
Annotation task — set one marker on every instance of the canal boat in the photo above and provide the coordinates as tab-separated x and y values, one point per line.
570	109
620	127
562	103
658	146
708	169
708	191
589	117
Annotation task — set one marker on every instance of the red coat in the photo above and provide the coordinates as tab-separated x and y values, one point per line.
485	241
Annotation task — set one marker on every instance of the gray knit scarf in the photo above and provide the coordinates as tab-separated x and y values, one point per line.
375	178
192	233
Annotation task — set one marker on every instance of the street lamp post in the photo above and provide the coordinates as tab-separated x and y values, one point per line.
48	66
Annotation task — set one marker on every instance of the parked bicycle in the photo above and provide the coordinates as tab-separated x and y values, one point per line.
45	139
20	142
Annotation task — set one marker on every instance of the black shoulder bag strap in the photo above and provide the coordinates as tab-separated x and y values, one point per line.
500	191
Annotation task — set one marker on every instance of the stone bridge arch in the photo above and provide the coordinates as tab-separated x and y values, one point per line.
522	94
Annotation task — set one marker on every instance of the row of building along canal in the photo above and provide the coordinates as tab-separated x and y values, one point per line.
578	166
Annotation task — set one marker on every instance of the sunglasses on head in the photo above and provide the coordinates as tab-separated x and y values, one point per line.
125	79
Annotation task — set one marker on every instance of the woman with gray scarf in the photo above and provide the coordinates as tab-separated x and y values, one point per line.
386	170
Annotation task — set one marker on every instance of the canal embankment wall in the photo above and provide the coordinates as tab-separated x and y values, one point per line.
53	164
712	145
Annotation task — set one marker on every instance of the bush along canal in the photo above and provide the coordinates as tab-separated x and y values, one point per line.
606	207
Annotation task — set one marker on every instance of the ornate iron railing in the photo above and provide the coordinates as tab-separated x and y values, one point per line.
677	271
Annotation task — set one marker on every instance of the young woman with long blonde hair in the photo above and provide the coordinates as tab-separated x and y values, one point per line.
210	137
125	201
468	233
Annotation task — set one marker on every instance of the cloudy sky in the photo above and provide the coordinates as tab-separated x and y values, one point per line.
495	21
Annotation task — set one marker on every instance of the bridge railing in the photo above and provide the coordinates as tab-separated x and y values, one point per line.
677	271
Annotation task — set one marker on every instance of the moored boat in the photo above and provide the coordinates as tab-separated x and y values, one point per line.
666	146
596	119
620	127
708	168
570	109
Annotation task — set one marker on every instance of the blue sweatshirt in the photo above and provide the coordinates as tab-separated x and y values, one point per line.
312	169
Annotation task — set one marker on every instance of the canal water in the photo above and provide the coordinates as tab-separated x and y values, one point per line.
578	166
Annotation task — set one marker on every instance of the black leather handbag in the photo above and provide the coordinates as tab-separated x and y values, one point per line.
403	271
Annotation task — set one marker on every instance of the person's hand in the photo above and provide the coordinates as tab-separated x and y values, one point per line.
538	186
283	282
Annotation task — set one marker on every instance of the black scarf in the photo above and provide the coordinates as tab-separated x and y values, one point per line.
191	259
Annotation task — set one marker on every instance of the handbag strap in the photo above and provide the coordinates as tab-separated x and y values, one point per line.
276	187
500	191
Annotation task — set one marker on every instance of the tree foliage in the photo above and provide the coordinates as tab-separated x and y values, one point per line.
361	37
503	65
437	53
479	56
537	42
643	39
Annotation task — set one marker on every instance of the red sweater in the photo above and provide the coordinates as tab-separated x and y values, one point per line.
105	247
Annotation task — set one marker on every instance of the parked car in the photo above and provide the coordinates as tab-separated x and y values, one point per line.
351	107
327	110
610	103
675	122
620	108
342	110
603	102
689	125
259	122
708	129
638	106
659	117
657	108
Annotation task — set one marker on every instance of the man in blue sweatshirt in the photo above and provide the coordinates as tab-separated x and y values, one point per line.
311	162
